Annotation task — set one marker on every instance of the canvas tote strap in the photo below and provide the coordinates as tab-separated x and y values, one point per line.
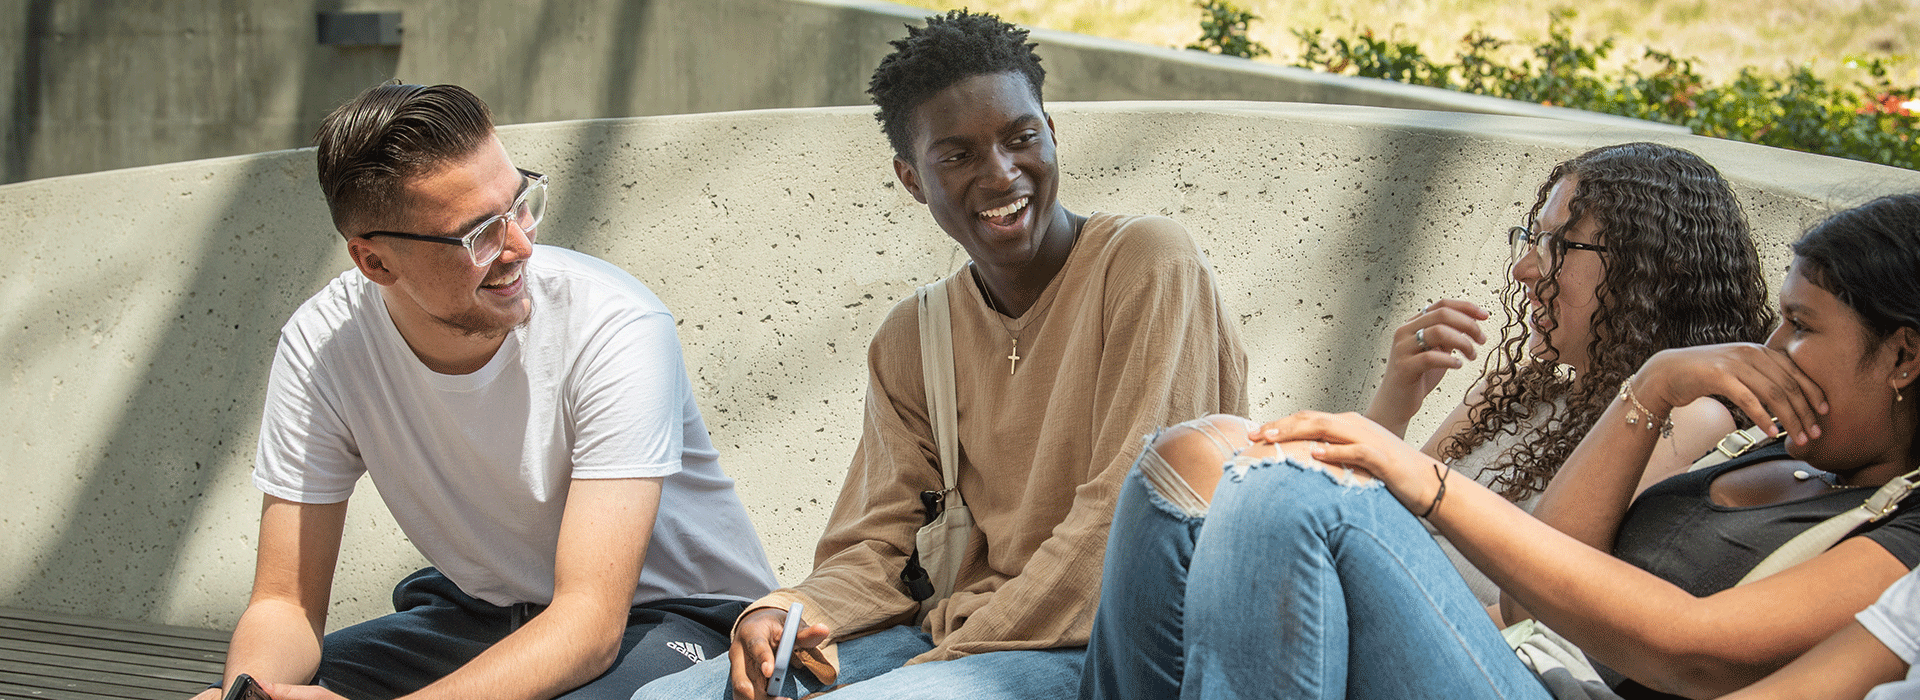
936	365
1733	445
1820	538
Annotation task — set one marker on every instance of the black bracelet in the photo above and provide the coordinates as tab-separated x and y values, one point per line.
1439	470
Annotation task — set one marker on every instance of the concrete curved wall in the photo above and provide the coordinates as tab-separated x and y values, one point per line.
140	307
243	76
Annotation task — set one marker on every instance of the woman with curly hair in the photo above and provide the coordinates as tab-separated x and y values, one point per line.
1305	572
1628	250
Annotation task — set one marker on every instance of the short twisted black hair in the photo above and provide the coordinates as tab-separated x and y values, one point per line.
370	145
951	48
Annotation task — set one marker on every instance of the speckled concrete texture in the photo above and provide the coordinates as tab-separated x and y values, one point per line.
246	75
139	308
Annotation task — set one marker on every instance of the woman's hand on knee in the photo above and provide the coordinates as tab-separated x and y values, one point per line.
1353	441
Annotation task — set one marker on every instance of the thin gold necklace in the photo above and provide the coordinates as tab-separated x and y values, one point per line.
1013	358
1832	480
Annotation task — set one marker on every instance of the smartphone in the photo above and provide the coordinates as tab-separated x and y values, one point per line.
783	656
245	688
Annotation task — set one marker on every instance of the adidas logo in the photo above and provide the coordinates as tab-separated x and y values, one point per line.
692	651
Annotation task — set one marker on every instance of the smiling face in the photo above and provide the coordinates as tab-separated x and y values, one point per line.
434	289
1830	342
983	163
1569	315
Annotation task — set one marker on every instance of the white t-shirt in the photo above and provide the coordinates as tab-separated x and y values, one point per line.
475	467
1895	620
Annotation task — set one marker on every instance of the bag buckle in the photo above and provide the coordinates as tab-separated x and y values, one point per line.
1888	498
931	503
1732	452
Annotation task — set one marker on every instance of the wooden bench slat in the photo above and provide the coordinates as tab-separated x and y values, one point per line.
95	647
56	656
99	690
8	689
111	657
56	663
116	645
120	625
17	628
113	685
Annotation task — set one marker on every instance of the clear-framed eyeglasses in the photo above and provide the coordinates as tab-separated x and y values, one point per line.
1547	244
486	240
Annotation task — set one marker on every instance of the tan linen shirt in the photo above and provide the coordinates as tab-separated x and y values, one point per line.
1128	337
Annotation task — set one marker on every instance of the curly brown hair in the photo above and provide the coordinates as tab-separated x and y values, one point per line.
1680	270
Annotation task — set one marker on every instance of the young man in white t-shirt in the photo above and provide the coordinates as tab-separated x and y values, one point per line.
527	417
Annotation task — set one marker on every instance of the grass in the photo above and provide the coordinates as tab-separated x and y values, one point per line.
1770	35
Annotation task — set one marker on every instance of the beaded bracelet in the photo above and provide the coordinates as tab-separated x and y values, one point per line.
1439	470
1635	410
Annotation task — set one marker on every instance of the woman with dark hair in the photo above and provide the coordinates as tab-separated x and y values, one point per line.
1320	582
1628	250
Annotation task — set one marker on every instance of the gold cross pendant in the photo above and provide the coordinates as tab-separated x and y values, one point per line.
1014	358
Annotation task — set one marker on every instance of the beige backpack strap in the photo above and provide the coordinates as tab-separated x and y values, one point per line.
1736	443
936	366
940	547
1819	538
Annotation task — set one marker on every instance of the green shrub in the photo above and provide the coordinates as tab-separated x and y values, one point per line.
1223	30
1869	119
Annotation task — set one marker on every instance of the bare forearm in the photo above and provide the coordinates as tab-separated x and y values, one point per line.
1621	615
557	651
1589	496
1846	665
276	642
597	561
1653	631
1391	410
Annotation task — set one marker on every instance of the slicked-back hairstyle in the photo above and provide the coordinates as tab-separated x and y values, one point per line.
1680	271
951	48
392	132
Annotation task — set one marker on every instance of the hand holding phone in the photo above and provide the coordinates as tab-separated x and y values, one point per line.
246	688
783	656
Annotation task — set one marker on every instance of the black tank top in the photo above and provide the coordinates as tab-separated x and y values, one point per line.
1675	531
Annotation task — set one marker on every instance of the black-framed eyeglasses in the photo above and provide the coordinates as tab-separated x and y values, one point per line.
1544	243
485	241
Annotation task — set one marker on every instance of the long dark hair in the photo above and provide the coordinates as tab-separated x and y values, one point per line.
1680	270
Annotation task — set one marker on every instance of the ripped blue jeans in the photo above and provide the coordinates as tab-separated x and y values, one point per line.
1298	581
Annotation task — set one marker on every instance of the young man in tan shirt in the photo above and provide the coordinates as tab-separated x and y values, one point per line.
1073	337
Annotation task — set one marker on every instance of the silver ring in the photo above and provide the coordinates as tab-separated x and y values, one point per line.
1420	339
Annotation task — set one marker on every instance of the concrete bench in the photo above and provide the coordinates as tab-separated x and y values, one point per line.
68	657
140	310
